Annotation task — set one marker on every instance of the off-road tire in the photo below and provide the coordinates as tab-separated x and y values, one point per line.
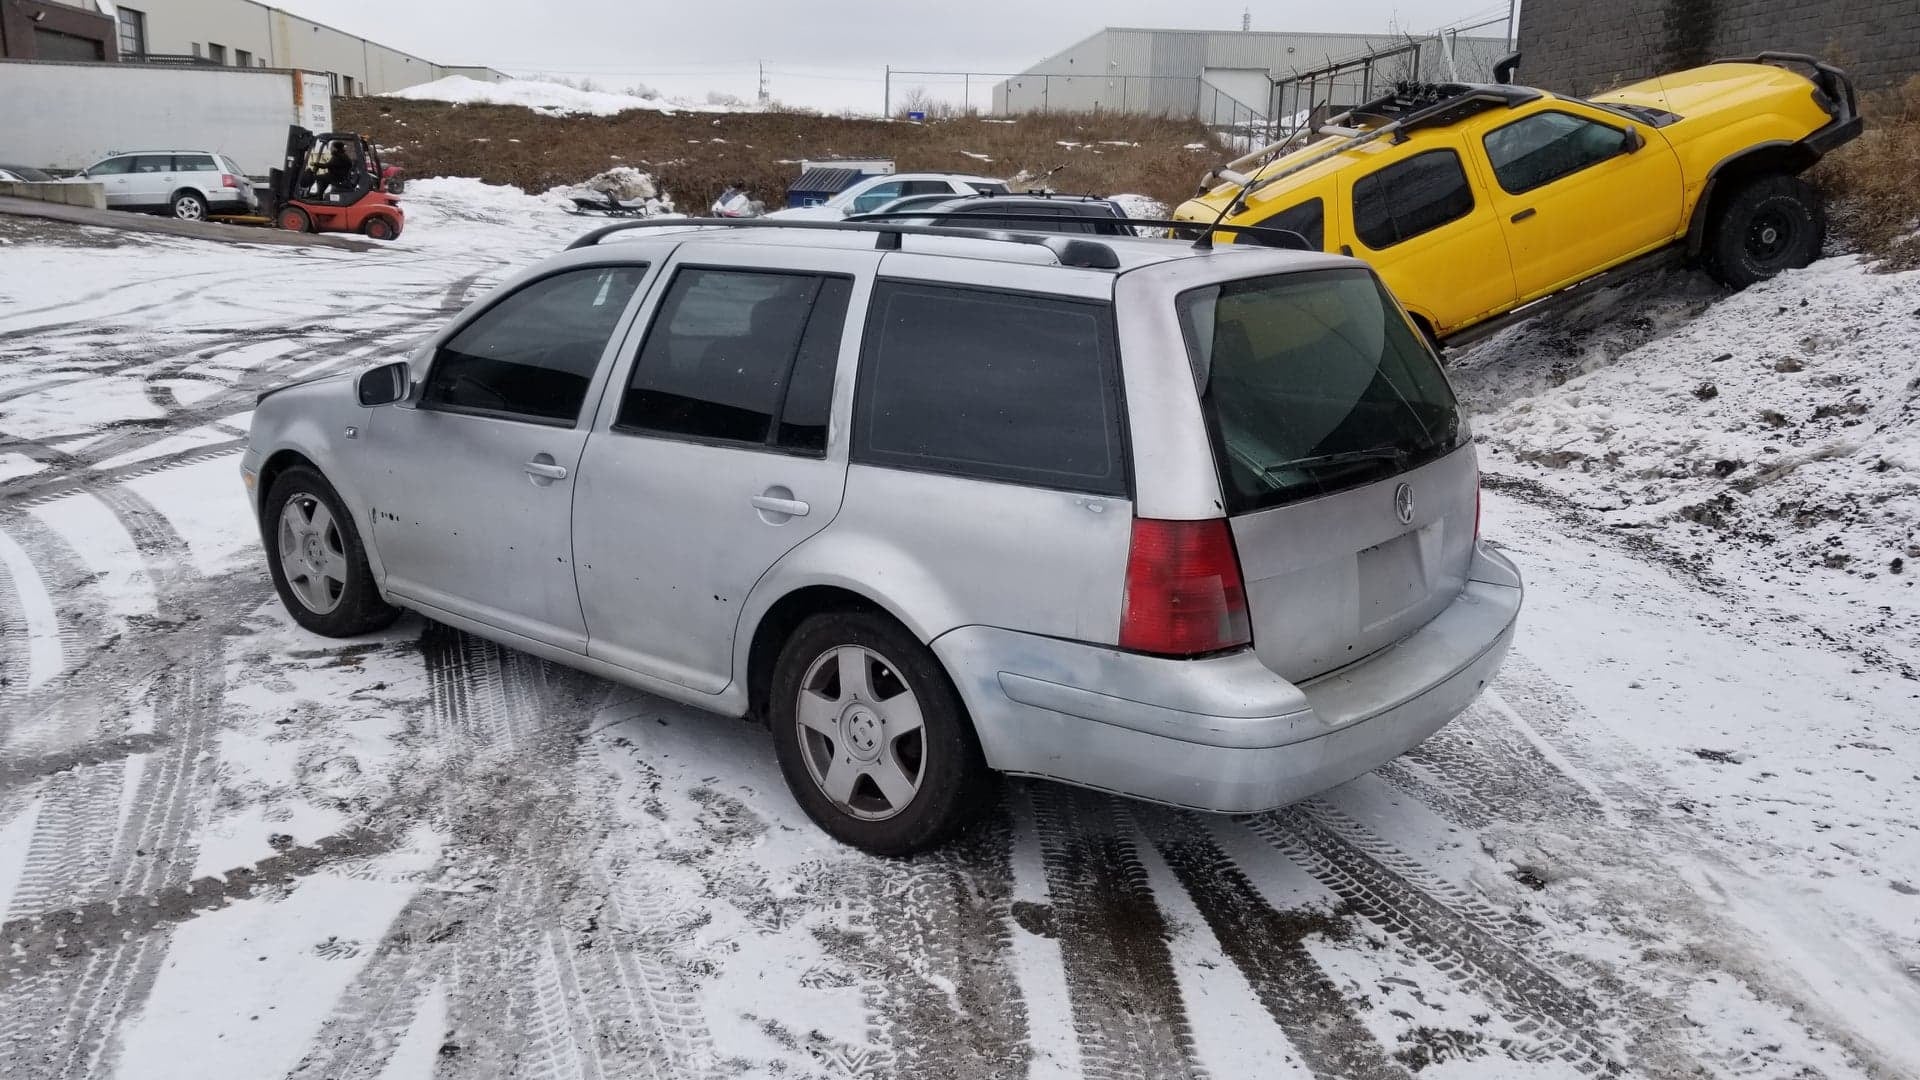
187	206
294	219
956	785
361	609
1772	223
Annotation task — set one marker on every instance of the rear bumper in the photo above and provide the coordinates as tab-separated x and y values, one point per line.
1225	734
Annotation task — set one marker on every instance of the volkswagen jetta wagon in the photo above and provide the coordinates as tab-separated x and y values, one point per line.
1195	525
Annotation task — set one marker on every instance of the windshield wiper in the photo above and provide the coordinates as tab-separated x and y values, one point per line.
1396	454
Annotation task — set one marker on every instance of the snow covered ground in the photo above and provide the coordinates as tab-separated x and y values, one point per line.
551	98
1677	838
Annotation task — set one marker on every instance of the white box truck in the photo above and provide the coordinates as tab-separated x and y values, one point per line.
63	117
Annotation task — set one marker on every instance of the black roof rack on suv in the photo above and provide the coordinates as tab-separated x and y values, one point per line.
1067	250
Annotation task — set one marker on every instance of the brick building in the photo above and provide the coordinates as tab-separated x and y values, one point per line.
42	30
1587	45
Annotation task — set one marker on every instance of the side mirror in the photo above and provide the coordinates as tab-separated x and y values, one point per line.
385	384
1635	140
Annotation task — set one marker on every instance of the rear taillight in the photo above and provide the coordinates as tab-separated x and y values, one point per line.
1184	594
229	181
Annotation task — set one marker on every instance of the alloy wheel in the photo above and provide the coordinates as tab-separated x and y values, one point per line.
312	555
861	732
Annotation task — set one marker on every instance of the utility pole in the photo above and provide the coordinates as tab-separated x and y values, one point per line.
886	100
764	96
1246	19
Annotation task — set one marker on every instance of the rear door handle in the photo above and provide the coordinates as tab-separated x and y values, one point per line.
789	507
547	470
1524	214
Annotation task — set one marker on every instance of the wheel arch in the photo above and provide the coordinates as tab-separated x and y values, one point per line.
189	189
1734	171
782	618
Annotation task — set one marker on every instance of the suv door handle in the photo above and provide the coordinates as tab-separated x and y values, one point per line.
547	470
1524	214
772	505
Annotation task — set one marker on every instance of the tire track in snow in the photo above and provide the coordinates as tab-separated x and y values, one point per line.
1127	1008
1268	946
1463	938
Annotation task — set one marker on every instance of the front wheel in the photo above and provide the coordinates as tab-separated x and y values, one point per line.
1774	223
317	561
294	219
379	228
189	206
871	736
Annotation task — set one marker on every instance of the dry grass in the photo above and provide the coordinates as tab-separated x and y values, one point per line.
696	155
1871	182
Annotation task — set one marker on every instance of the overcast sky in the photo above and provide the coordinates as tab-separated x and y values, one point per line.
828	53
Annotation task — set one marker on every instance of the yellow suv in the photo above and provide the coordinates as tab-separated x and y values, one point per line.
1476	201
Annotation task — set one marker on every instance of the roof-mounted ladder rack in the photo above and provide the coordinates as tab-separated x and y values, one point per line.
1394	114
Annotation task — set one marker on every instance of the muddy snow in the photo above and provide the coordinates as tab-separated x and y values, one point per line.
1677	838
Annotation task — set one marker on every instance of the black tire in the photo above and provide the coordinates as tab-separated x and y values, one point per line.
955	785
358	608
1770	224
187	206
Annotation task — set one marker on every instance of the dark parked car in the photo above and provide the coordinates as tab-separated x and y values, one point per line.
1032	213
21	172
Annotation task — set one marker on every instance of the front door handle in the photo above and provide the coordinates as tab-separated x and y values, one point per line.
546	469
774	505
1524	214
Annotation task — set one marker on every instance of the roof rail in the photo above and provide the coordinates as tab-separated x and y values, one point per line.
1410	107
1067	250
1268	235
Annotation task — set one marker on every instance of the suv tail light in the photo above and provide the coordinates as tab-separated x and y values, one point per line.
229	180
1184	593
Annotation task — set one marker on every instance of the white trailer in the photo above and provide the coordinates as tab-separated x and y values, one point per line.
63	117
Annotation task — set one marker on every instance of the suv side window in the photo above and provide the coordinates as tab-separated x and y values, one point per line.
531	355
1309	219
1546	146
1017	210
113	166
1410	197
731	350
991	385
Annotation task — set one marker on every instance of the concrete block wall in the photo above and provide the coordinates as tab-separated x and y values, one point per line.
1583	46
78	194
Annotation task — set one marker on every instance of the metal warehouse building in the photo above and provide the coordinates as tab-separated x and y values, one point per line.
1221	76
228	33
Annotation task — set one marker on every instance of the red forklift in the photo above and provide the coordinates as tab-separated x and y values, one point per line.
335	182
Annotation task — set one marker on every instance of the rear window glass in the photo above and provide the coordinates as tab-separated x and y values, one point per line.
991	385
1410	197
1313	383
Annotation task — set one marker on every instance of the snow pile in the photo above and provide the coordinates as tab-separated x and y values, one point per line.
1777	431
551	99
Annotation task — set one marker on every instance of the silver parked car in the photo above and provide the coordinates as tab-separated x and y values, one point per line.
1196	526
187	184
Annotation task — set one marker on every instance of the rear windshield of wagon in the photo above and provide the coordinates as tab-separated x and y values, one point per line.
1313	383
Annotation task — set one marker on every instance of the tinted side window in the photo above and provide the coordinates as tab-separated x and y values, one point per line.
1309	219
925	187
1546	146
153	163
991	385
532	354
1005	214
113	166
194	163
1410	197
731	349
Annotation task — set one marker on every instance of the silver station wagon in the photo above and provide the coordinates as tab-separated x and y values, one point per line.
1188	524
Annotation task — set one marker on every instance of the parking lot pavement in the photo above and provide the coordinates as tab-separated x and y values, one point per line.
166	226
229	848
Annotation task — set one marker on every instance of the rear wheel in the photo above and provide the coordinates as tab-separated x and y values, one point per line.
1773	223
294	219
872	737
317	561
189	206
379	228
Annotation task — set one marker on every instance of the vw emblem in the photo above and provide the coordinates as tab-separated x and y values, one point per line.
1403	503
